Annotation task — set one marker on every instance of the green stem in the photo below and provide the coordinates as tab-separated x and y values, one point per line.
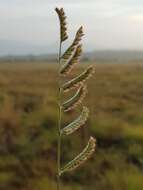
59	124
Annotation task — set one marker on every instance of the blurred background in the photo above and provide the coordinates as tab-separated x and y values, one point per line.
29	40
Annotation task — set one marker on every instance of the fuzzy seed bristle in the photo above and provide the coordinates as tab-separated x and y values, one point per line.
81	158
75	100
79	122
63	24
67	67
79	80
68	53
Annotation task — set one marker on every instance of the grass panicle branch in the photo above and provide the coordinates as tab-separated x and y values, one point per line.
81	158
79	80
68	53
79	122
75	100
67	67
63	24
71	58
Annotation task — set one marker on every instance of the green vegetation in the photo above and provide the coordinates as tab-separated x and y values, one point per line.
28	128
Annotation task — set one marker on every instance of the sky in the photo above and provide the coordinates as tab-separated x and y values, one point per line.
108	24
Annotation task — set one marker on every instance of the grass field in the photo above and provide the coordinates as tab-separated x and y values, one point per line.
28	128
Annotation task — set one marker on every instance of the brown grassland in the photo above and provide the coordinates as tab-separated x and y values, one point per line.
28	128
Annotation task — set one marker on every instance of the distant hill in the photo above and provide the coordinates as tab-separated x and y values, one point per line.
115	55
13	50
17	48
101	56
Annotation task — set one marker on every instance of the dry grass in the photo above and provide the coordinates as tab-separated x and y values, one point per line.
28	128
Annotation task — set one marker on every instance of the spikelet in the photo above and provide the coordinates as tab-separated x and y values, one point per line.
67	67
81	158
78	36
79	79
63	24
79	122
72	47
75	100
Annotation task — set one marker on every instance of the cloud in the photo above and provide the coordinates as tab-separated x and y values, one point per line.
138	17
108	23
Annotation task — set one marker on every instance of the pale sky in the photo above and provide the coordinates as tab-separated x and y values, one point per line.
108	24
